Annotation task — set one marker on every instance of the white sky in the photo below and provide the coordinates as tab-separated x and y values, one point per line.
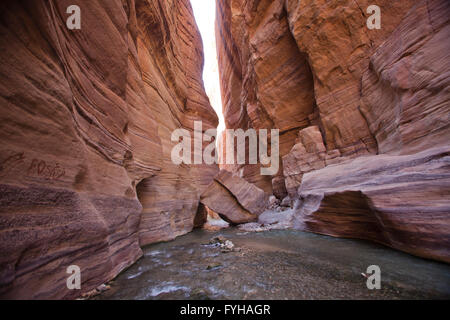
205	15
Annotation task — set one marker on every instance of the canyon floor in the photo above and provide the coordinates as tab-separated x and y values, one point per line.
277	264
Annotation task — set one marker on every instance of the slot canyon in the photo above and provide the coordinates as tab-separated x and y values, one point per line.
87	176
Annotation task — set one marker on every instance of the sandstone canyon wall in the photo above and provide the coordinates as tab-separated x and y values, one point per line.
86	120
363	114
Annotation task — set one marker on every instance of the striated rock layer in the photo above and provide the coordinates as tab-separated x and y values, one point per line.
339	91
292	64
85	128
402	201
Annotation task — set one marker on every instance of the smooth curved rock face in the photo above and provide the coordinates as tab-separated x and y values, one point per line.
86	120
406	91
171	60
358	93
400	201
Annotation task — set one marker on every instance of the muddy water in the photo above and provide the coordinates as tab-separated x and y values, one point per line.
276	265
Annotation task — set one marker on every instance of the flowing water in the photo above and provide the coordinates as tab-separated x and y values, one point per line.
276	265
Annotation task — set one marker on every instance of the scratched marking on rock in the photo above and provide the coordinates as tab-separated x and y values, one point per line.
37	167
48	171
11	162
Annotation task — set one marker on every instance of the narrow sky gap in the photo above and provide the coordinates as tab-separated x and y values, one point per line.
205	14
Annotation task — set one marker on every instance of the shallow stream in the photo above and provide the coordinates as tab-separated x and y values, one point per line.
276	265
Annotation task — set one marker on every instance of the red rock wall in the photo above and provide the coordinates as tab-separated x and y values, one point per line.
260	62
339	91
86	120
405	93
292	64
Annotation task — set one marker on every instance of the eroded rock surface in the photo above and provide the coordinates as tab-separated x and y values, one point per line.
402	201
293	64
86	117
339	91
406	90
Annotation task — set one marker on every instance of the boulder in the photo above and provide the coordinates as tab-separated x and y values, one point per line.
224	203
286	202
250	197
234	199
